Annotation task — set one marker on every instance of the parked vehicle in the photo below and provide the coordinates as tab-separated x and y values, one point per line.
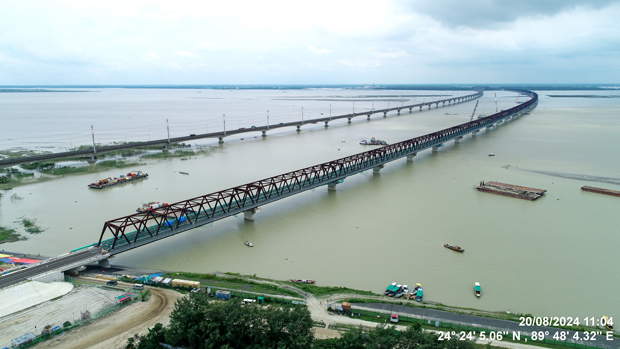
112	283
138	287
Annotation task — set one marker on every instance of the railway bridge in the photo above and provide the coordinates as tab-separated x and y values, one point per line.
135	230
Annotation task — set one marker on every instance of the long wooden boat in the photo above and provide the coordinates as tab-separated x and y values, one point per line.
302	281
454	248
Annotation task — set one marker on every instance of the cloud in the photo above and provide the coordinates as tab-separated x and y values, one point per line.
492	13
186	54
316	50
174	64
150	55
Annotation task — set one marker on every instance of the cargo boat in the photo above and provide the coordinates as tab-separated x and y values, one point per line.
249	244
303	281
514	191
454	248
373	141
150	206
122	179
187	173
601	190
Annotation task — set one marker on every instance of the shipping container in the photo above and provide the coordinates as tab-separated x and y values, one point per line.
224	295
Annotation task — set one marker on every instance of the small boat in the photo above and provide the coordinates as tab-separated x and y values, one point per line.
491	154
395	290
419	295
303	281
454	248
249	244
389	288
477	289
185	173
414	292
608	323
402	291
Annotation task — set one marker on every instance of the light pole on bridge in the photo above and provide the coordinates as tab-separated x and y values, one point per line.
267	119
224	120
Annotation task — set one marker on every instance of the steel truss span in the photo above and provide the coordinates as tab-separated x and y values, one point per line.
142	228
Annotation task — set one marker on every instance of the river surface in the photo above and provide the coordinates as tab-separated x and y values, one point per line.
557	256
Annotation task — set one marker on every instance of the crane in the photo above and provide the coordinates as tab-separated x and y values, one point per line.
472	114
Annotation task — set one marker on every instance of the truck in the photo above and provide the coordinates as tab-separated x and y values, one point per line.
346	306
223	295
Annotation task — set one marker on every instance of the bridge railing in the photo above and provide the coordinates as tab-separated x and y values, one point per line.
136	229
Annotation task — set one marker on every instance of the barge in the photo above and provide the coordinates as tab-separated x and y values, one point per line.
515	191
601	190
302	281
122	179
454	248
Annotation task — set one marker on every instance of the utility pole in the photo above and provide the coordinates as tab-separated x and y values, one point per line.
302	115
93	132
224	120
267	119
168	127
330	111
353	108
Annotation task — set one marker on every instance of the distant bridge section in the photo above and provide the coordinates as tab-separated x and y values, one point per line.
135	230
220	135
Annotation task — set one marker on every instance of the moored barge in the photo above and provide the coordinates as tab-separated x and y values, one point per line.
515	191
109	182
601	190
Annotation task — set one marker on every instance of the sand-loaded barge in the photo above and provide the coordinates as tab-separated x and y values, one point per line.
601	190
515	191
122	179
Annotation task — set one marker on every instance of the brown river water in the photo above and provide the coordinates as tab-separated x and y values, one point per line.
557	256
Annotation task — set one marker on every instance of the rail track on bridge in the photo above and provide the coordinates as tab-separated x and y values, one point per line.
222	134
142	228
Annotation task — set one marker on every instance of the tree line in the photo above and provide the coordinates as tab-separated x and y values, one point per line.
203	323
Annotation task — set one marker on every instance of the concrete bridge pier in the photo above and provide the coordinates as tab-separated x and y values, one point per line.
473	134
165	150
384	114
349	120
429	107
377	170
420	108
444	104
105	263
249	214
436	147
220	140
264	133
458	139
437	105
398	112
368	118
410	110
327	123
298	128
411	156
332	186
489	127
92	160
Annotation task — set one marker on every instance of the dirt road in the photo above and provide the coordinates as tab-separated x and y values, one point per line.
112	331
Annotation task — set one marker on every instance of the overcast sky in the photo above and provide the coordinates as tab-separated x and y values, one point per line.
309	42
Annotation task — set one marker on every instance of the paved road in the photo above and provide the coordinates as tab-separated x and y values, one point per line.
59	263
482	322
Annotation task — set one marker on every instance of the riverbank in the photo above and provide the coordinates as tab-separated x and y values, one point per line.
43	171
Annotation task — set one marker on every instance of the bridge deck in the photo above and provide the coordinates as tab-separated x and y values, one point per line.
105	149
